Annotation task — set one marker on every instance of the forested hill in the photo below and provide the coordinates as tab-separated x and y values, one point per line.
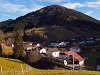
55	15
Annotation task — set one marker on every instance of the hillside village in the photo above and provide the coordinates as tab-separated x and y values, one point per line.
53	37
69	54
65	52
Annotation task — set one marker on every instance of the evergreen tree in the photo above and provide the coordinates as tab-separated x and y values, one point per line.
24	35
18	44
0	48
1	36
1	40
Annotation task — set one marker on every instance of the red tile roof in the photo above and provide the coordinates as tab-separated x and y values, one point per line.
76	56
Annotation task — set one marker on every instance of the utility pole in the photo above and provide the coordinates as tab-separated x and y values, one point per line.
73	61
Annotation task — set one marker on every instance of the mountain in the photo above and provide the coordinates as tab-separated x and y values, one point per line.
63	19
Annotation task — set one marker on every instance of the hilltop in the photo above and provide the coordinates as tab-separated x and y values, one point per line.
56	18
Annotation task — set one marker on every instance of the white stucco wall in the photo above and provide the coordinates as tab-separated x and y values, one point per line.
43	50
29	48
65	62
55	54
81	63
12	45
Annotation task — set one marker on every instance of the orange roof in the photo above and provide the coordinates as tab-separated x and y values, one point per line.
76	56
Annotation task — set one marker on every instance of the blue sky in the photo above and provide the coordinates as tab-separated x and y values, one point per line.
11	9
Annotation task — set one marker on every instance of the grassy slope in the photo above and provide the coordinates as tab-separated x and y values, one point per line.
63	72
9	63
61	34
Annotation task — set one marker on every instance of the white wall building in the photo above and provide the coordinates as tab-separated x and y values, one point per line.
75	49
55	54
43	50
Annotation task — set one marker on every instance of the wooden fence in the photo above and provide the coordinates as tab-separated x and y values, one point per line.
14	71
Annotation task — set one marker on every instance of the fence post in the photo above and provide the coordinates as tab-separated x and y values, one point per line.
0	70
26	70
14	71
22	69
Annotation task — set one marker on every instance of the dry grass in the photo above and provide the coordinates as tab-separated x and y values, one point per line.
62	72
37	30
6	50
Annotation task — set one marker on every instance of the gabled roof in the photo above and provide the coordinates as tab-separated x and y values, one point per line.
75	55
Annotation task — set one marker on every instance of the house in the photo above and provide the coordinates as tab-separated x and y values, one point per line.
56	54
27	43
27	46
75	49
54	45
98	64
38	45
52	52
76	56
62	44
43	50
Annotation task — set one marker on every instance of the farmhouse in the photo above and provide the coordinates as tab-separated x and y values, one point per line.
76	56
52	52
61	54
56	54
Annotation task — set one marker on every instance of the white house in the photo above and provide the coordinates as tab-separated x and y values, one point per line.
43	50
51	52
75	49
62	44
38	45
